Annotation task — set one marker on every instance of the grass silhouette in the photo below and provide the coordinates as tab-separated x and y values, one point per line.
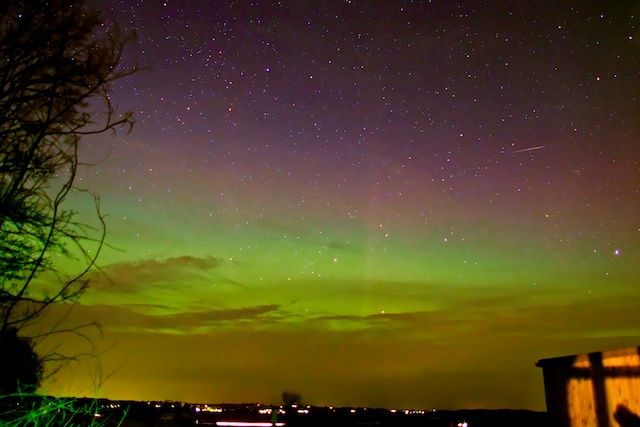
35	410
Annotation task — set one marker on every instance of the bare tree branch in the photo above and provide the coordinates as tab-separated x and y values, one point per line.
58	61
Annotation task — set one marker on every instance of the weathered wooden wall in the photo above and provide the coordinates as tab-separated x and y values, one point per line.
593	390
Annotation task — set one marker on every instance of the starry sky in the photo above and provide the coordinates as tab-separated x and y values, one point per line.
373	203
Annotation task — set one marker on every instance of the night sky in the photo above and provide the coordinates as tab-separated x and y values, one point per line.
373	203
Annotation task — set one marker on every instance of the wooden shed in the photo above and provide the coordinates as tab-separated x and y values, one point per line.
599	389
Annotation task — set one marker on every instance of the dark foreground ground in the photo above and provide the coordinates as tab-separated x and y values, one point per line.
345	417
54	412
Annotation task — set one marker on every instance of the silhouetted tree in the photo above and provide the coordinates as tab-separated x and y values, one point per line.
290	398
58	59
20	366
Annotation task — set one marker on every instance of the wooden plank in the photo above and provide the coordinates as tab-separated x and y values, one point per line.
572	385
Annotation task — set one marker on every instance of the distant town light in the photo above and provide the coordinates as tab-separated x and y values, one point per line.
247	424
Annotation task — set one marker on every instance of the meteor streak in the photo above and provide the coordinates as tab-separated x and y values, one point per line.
537	147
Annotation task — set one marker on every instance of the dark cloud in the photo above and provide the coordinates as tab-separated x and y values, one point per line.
130	317
152	306
603	317
342	246
131	276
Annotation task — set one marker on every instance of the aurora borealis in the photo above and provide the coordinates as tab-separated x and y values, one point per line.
373	203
